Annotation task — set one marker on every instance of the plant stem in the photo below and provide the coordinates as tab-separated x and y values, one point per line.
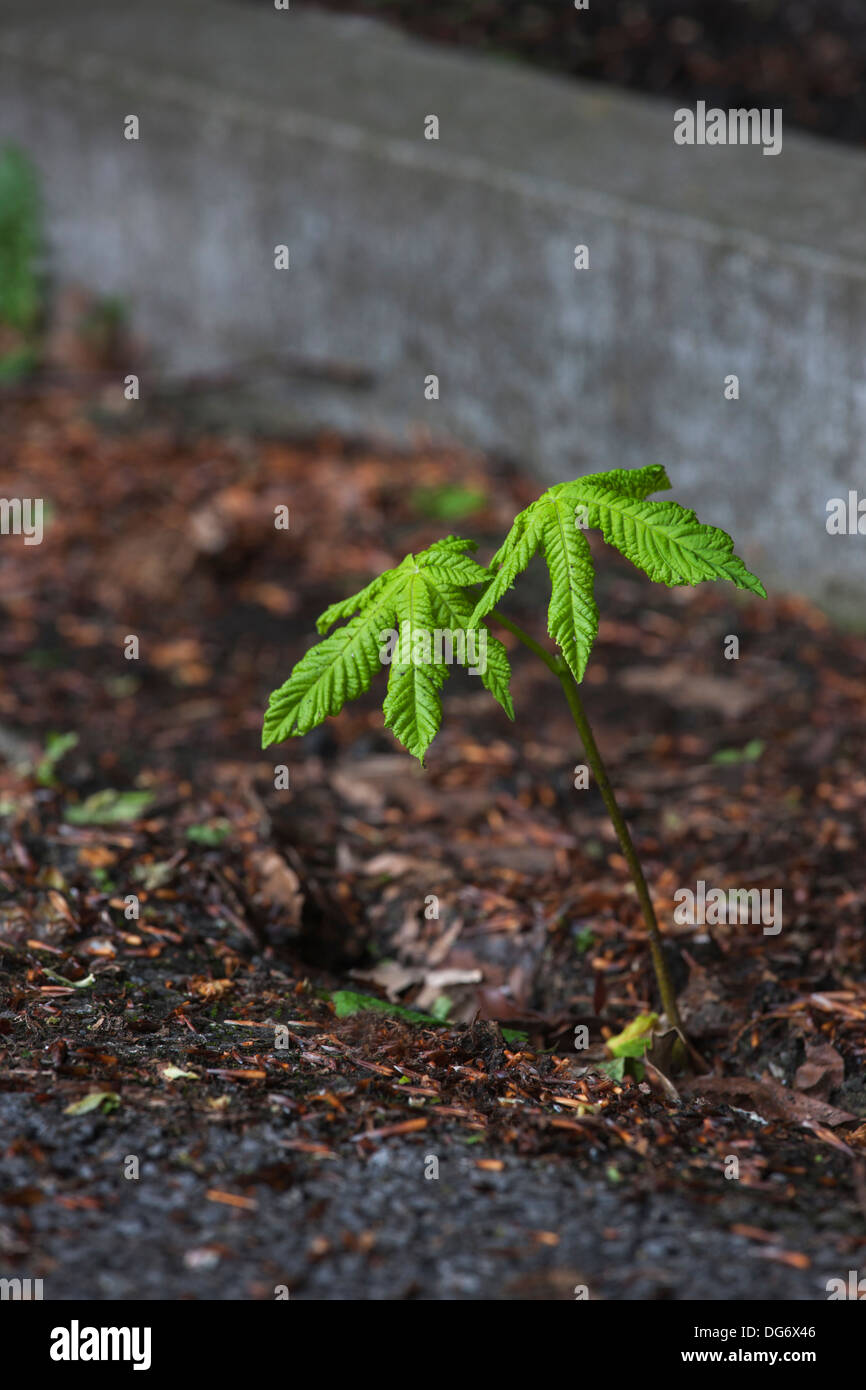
558	666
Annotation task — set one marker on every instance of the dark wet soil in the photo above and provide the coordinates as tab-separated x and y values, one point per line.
307	1158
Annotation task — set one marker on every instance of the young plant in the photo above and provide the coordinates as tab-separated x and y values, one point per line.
430	593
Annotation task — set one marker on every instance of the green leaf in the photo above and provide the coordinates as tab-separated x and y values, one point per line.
452	609
363	598
56	746
448	503
618	1067
346	1003
750	754
662	538
572	618
72	984
628	482
425	594
412	708
512	558
109	808
634	1040
106	1101
211	836
416	599
514	1035
445	546
336	670
160	872
615	1069
628	1047
445	564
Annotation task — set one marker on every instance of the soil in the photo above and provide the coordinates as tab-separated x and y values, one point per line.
243	1136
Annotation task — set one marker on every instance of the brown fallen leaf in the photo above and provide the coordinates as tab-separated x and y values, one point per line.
306	1146
686	689
273	597
97	946
358	792
437	982
830	1138
822	1071
278	885
176	653
545	1237
858	1137
407	1127
23	1197
61	907
576	1127
96	856
775	1102
792	1258
231	1199
394	865
391	976
494	1004
752	1233
239	1074
208	989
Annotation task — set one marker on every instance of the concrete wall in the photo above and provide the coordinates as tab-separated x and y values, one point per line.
455	256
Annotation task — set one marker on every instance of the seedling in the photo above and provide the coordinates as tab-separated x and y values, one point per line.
442	602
